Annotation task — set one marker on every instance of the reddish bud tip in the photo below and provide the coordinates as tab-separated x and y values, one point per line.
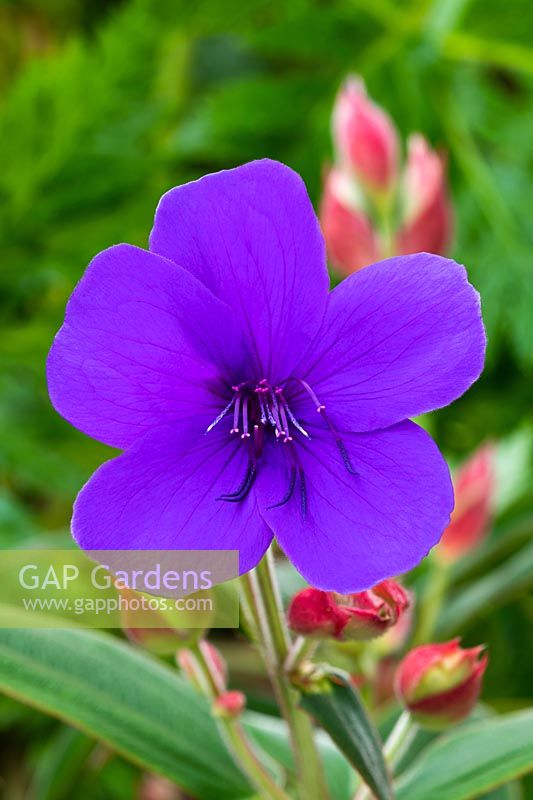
229	705
474	486
427	214
350	238
358	616
440	683
365	137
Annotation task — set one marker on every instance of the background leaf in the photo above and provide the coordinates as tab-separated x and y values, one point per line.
135	705
470	761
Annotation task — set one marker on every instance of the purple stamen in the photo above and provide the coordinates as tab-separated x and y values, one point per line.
290	491
294	420
245	433
319	406
221	415
244	488
259	405
236	412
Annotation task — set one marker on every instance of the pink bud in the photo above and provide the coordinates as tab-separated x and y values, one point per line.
365	137
474	487
428	217
359	616
229	705
350	239
440	683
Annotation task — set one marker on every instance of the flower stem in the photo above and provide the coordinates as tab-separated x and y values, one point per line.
384	211
262	589
400	739
432	603
301	649
233	732
395	747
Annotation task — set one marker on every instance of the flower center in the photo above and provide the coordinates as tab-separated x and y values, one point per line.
261	407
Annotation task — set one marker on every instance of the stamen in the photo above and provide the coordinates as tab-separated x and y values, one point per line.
221	415
258	441
310	392
301	478
263	410
236	412
275	410
294	420
245	434
290	491
345	457
285	422
244	488
340	444
303	492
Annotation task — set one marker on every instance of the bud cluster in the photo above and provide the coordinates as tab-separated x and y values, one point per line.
353	617
372	207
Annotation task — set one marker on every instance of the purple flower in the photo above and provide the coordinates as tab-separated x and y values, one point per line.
252	403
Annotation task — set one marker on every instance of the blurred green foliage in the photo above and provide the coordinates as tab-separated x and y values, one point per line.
105	105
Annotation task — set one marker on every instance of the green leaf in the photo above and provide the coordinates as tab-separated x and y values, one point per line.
470	761
134	704
338	708
60	765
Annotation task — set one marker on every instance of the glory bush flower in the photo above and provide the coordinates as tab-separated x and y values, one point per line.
358	616
440	683
250	401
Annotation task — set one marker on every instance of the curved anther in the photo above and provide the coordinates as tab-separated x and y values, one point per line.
303	492
244	488
345	457
290	491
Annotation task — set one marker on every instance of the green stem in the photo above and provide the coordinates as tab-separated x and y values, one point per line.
432	602
396	746
262	587
384	206
233	732
301	650
400	739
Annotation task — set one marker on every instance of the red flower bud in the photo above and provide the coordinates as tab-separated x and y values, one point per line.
351	241
474	487
229	705
440	683
428	217
365	137
358	616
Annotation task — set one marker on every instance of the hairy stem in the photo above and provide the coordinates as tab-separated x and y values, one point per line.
301	650
262	591
208	678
